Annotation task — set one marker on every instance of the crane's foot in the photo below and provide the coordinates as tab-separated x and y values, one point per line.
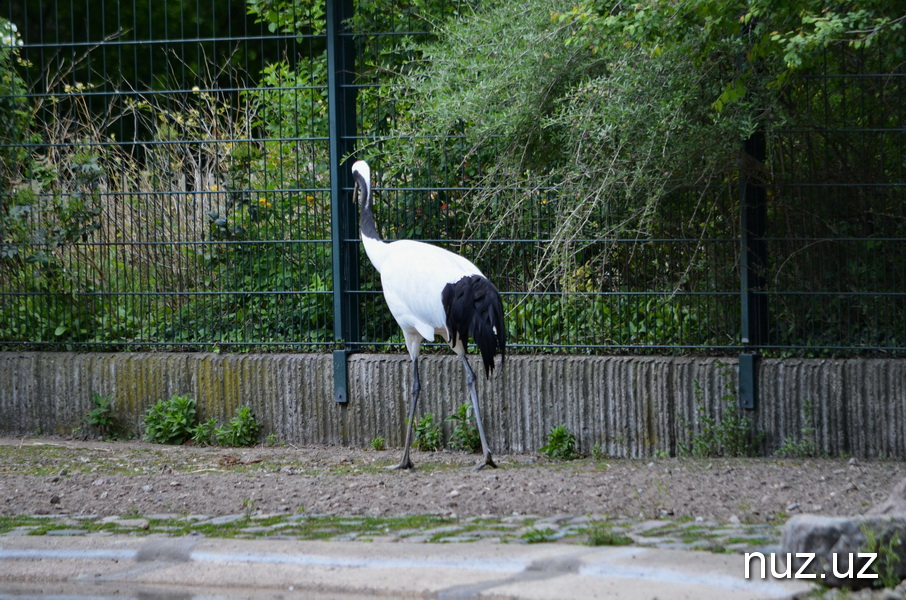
406	464
487	462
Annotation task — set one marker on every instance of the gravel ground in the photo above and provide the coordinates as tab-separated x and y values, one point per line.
719	505
69	477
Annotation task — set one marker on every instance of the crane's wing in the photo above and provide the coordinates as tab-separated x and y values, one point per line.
413	276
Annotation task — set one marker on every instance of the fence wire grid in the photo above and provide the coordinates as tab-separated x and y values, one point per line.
167	185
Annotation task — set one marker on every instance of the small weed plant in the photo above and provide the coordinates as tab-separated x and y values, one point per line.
465	432
241	430
206	433
805	446
378	443
731	435
101	417
427	434
171	421
561	444
597	452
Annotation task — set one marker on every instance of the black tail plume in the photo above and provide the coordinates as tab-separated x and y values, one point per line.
473	307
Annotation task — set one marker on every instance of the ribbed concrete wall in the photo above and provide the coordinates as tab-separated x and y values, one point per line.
631	406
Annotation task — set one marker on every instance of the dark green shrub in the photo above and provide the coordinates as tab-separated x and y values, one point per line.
561	444
171	421
206	433
241	430
427	434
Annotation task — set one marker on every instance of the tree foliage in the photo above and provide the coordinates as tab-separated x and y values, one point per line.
520	97
633	113
604	138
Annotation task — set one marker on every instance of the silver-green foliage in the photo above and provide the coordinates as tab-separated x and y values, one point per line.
616	131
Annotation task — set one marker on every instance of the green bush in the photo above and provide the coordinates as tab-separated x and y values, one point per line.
561	444
171	421
241	430
206	433
620	133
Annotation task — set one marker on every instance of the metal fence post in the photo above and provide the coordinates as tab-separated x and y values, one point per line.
341	98
752	262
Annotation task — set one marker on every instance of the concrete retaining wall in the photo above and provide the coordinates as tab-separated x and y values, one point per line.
630	406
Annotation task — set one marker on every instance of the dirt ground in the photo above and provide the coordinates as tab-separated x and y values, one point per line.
57	476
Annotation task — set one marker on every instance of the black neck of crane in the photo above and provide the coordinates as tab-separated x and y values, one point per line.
366	212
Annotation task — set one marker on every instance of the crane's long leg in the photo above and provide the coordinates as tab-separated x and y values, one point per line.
405	463
473	392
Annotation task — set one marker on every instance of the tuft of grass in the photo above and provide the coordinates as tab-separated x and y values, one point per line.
887	564
601	533
539	536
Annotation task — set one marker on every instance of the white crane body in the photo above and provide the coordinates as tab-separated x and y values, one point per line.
414	278
431	291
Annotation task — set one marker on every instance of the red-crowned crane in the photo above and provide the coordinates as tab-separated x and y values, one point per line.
431	291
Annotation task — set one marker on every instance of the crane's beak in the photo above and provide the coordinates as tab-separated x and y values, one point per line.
356	191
